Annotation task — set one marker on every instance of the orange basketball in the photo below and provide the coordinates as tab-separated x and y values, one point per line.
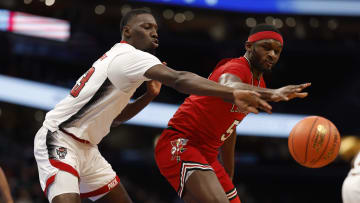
314	142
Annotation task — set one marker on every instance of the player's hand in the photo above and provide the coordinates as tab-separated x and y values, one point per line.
153	87
250	101
289	92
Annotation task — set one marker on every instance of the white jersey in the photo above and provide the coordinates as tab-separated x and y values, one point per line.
356	169
101	94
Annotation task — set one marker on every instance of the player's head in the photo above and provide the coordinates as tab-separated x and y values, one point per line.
139	28
263	47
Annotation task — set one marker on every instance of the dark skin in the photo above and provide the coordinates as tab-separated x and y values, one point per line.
4	188
262	55
141	33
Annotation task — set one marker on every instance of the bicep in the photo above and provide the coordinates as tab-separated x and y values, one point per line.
228	79
162	74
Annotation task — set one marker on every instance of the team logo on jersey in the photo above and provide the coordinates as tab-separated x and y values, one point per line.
61	152
178	148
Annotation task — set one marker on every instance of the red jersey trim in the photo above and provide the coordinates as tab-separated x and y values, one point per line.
61	166
124	42
189	166
74	137
104	189
49	181
64	167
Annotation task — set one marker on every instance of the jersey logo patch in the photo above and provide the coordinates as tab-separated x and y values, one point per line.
178	148
61	152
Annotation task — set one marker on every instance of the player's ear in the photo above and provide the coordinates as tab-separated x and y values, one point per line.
248	45
127	31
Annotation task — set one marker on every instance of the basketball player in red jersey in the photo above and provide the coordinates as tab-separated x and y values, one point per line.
69	163
187	150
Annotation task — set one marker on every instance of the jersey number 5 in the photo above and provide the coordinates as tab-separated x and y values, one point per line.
79	85
229	131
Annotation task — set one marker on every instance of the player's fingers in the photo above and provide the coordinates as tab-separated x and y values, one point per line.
252	109
302	95
283	97
264	105
305	85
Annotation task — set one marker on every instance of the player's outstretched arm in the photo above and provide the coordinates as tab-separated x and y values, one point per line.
190	83
282	94
4	187
153	89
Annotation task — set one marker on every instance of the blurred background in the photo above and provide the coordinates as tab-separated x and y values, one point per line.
46	45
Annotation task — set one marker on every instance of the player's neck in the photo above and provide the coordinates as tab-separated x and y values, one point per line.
255	73
127	41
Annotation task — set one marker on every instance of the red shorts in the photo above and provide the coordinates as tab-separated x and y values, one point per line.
177	158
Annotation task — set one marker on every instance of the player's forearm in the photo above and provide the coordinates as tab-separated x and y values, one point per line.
190	83
133	108
265	93
4	187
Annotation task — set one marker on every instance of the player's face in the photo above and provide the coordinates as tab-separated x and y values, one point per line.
265	54
143	32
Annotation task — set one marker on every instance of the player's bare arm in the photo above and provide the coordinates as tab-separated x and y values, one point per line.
190	83
4	188
153	89
227	153
282	94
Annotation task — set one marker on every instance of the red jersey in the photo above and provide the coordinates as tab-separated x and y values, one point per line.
209	121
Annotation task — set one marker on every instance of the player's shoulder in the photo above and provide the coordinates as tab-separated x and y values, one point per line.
127	49
237	62
233	64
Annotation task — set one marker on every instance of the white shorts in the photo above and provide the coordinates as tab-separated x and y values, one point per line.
351	189
59	151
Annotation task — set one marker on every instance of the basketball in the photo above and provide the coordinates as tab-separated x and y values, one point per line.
314	142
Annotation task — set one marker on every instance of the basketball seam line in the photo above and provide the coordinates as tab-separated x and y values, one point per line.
292	141
307	142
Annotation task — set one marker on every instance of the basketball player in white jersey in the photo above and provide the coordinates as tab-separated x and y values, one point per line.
351	185
69	163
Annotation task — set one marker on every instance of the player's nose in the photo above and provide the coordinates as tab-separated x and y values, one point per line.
272	55
154	34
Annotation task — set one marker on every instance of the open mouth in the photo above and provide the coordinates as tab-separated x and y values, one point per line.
268	63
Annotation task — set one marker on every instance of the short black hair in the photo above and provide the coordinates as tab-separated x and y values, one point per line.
263	27
129	15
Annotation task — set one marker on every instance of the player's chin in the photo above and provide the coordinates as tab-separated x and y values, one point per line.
151	50
268	67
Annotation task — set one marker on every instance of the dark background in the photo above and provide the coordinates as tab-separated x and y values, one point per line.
324	55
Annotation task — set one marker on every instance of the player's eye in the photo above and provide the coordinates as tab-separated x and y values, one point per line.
266	47
146	26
